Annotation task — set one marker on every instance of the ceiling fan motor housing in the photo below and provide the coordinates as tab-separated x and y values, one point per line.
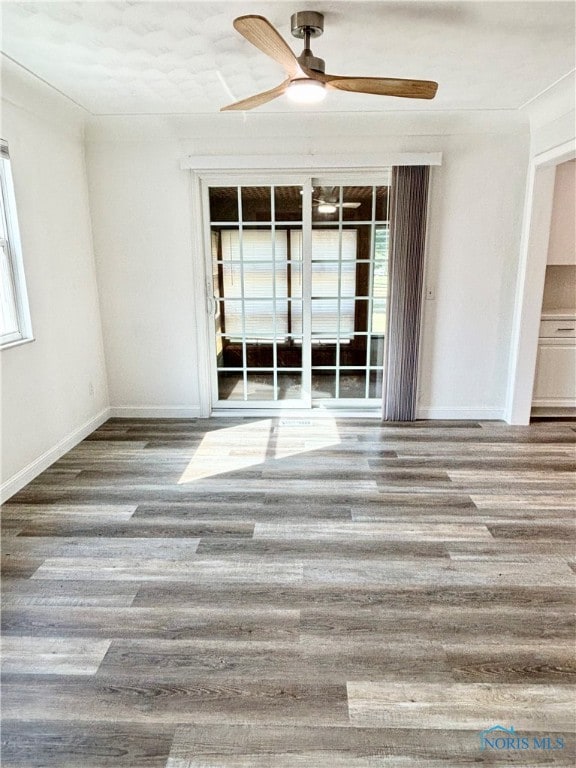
306	59
310	22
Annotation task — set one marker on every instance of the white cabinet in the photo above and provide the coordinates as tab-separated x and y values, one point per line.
555	381
558	329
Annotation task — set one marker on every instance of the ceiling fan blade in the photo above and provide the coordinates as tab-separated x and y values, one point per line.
258	99
336	204
258	31
384	86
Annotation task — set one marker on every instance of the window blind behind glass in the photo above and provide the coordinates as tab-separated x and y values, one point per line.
249	273
251	267
8	312
327	312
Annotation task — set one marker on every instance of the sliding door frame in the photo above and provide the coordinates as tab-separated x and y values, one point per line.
258	171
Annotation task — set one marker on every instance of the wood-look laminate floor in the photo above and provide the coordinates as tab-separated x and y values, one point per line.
293	593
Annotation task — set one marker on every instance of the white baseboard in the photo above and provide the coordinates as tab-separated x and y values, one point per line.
154	412
32	470
558	402
555	411
185	412
294	413
475	414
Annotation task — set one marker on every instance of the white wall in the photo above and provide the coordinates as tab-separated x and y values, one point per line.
142	238
562	244
142	225
475	216
46	401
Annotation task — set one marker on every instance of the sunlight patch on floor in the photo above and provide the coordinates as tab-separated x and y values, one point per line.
298	437
247	445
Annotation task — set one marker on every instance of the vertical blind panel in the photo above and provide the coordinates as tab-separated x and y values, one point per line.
407	247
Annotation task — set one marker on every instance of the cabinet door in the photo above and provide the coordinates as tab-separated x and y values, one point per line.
555	382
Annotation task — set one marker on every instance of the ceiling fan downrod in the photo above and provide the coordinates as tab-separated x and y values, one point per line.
305	25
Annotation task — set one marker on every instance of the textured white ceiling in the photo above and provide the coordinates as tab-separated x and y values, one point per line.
185	57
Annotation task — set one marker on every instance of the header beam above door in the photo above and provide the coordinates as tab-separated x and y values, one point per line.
316	163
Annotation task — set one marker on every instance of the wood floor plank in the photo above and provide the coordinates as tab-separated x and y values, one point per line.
19	566
449	462
461	705
207	700
241	746
29	512
351	531
107	547
510	550
137	622
407	501
562	532
137	528
52	655
520	624
308	549
82	744
30	592
311	659
220	508
468	625
136	569
470	573
526	500
501	598
474	662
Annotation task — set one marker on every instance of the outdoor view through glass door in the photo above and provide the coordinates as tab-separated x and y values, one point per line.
300	294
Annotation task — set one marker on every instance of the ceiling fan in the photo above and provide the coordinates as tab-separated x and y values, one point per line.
328	205
306	80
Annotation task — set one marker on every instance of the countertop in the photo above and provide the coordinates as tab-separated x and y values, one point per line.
558	314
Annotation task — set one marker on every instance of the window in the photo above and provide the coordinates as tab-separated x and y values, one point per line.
14	313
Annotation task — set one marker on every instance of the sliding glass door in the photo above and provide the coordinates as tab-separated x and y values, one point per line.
298	290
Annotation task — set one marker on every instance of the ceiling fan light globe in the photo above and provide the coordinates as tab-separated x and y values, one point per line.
306	91
327	208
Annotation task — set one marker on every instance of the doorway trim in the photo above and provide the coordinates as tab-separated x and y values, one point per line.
531	275
206	169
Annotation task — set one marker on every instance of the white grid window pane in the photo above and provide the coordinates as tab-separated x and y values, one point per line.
325	244
325	279
333	275
256	283
14	312
8	312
